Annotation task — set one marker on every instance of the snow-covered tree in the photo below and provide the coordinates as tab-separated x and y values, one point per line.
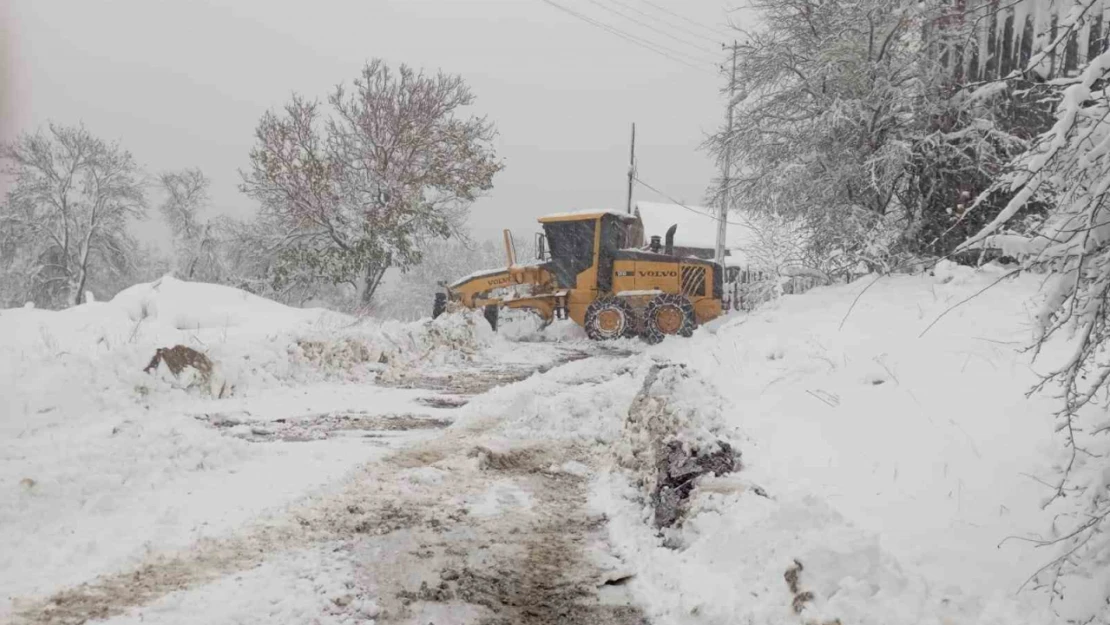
409	294
252	258
848	121
65	218
196	241
397	163
774	242
1068	168
820	110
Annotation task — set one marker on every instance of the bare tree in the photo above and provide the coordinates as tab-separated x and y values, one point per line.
67	212
362	190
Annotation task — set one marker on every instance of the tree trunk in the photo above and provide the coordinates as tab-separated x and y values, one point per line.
374	273
78	292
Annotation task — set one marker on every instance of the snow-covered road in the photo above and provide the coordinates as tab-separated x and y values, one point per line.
433	524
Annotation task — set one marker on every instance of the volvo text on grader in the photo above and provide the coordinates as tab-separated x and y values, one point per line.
594	268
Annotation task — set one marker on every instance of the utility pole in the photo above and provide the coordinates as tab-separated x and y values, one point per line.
631	168
722	211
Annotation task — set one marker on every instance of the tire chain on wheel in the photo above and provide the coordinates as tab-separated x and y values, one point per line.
667	300
609	302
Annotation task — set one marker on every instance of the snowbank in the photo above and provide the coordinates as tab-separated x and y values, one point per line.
92	356
897	466
671	439
584	401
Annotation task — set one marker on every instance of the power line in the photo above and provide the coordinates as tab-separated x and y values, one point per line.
676	26
630	38
681	17
692	210
685	55
650	27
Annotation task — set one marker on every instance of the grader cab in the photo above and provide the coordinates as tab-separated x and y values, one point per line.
594	268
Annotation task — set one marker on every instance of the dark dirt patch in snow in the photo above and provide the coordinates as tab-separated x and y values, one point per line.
678	468
320	427
443	402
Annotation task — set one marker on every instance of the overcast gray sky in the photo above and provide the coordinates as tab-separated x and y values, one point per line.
182	83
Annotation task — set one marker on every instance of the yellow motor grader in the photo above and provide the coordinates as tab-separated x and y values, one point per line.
594	268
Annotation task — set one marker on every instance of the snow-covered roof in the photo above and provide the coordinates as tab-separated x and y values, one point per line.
697	225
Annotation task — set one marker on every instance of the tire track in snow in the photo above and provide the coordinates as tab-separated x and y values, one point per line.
527	565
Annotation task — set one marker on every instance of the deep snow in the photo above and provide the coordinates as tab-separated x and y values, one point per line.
102	464
899	466
893	467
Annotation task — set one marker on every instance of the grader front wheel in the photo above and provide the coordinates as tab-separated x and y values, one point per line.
609	318
668	315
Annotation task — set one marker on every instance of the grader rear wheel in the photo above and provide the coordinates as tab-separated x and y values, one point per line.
668	314
609	318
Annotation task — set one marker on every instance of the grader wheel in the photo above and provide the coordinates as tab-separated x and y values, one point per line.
609	318
668	314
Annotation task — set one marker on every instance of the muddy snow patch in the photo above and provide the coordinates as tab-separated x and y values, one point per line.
312	585
319	427
446	403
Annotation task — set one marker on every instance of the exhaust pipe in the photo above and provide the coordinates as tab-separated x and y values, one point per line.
669	249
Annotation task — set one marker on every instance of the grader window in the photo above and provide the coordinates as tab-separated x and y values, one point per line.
614	238
572	249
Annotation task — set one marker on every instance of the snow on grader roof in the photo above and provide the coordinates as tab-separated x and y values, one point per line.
583	214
